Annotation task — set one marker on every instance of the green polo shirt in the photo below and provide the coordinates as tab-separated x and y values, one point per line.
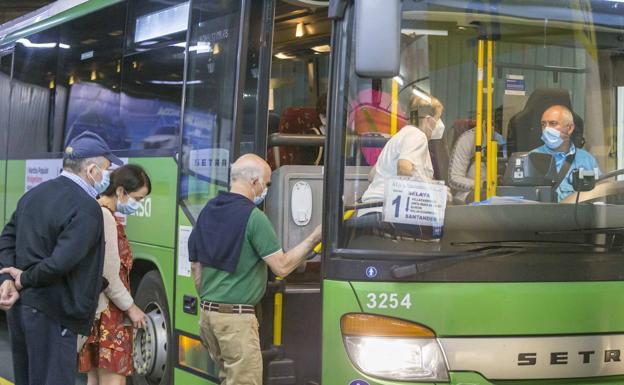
248	282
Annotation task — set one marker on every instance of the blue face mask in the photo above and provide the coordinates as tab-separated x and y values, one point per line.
260	198
552	138
130	207
102	185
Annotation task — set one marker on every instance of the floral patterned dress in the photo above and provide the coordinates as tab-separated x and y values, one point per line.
110	344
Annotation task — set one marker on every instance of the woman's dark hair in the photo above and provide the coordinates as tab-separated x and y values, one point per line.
131	177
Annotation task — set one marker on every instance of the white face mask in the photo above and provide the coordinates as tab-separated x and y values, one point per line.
438	130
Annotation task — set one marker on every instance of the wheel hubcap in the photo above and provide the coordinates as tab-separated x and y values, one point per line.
150	345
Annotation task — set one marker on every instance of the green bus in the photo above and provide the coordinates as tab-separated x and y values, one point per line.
504	282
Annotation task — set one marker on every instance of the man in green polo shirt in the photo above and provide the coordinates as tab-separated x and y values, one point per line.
230	247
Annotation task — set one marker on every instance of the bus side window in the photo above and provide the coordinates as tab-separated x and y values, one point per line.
5	95
32	95
89	70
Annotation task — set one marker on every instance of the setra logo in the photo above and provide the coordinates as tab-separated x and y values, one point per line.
564	358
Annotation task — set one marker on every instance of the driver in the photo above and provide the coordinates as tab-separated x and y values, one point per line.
557	128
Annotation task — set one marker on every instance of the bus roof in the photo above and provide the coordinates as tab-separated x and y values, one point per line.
57	13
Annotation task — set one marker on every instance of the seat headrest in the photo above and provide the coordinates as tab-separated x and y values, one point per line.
543	98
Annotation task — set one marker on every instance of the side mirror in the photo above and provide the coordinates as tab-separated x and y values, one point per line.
377	38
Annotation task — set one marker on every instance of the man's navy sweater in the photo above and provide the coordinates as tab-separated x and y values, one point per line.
56	236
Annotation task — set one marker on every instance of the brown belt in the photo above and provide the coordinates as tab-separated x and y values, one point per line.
227	308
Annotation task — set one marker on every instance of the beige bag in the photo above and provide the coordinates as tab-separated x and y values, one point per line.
81	341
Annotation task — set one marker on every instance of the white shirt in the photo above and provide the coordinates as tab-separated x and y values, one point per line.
409	144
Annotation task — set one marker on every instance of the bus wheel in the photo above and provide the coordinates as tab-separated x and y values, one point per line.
151	362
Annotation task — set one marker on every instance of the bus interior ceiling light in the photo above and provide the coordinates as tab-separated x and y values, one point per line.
300	30
322	48
284	56
174	82
430	32
421	94
201	47
28	44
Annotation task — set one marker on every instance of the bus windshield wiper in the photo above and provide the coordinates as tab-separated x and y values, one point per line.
532	243
439	262
601	230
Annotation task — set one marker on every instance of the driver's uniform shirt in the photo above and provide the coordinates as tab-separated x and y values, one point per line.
582	159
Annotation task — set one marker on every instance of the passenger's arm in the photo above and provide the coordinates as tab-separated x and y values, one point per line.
116	291
196	271
371	174
81	232
460	162
283	263
405	167
196	267
414	155
7	248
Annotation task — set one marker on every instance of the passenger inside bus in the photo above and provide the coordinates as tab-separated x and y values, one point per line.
461	171
407	152
557	129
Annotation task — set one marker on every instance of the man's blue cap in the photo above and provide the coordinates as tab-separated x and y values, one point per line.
89	145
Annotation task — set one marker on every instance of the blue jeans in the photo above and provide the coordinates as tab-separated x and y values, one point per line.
44	352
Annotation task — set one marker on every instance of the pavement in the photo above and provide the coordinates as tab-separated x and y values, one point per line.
6	362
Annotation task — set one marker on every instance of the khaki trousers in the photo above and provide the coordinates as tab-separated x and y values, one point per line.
234	345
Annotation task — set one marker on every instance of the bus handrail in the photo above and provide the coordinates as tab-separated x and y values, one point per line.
311	140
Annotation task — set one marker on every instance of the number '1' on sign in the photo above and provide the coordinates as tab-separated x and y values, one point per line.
414	202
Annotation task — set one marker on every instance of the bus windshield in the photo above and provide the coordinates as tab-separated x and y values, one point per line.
530	161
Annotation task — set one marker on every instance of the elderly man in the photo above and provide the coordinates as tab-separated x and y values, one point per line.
557	128
230	247
52	252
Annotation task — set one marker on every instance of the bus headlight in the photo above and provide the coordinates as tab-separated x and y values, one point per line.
394	349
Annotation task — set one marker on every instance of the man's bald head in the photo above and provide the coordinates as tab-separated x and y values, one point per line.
560	118
249	176
249	167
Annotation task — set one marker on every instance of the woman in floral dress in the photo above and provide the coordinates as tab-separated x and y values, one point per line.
107	353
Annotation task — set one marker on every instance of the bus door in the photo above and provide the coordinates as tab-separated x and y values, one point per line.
226	65
6	65
297	95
